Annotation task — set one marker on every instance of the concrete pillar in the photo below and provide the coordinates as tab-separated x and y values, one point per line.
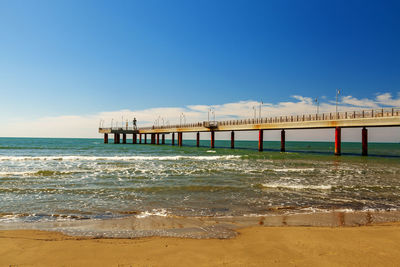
140	138
158	138
180	137
364	138
124	138
163	139
115	138
173	139
145	138
105	138
338	141
198	139
232	139
260	140
283	140
212	139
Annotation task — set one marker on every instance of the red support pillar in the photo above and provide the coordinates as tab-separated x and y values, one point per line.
105	138
140	138
198	139
283	140
158	138
212	139
173	139
163	139
145	138
124	138
134	139
153	139
364	138
232	139
115	138
260	140
338	140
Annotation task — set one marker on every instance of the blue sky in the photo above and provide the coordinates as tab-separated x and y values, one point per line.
76	58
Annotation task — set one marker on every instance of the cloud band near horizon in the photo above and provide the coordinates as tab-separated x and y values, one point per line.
86	126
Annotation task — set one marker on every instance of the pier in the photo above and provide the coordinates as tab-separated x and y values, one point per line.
363	119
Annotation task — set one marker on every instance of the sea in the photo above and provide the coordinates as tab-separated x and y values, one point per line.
86	187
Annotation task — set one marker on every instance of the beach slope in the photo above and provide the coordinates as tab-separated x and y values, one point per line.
254	246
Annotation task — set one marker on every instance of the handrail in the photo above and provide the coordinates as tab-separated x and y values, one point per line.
371	113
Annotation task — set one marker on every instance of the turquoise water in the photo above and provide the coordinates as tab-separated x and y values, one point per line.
49	179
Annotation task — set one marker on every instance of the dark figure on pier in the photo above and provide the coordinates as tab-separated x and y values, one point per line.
134	123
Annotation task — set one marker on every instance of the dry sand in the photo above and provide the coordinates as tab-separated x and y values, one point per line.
377	245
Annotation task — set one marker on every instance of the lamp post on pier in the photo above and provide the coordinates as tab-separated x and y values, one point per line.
316	101
337	97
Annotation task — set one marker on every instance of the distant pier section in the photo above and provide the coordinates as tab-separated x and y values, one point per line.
388	117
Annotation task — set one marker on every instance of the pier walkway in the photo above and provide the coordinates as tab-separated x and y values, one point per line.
389	117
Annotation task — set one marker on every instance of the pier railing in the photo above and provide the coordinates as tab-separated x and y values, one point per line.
360	114
119	128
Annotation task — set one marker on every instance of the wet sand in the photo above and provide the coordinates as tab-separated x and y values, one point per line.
374	245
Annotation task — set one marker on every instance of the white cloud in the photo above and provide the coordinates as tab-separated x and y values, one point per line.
87	125
363	103
386	99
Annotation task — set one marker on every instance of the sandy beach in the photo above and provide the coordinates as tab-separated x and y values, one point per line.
376	245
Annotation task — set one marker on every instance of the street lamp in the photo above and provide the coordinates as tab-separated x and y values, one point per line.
212	111
182	118
337	96
316	101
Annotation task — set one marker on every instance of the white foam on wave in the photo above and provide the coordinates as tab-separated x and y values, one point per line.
154	212
298	187
115	158
294	170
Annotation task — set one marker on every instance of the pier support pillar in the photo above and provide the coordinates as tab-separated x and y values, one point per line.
105	138
283	141
173	139
158	138
338	141
116	138
212	139
198	139
260	140
163	139
364	138
153	139
134	139
124	138
140	138
232	139
145	138
180	138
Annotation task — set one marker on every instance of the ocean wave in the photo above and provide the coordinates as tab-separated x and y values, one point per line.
154	212
298	187
115	158
294	170
40	173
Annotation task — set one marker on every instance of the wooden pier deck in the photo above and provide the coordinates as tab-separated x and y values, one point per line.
389	117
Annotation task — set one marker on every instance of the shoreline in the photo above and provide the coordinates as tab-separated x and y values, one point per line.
372	245
138	226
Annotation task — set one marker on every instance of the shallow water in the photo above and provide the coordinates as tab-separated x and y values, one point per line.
70	179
